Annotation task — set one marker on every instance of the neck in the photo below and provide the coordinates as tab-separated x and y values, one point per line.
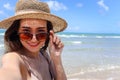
31	54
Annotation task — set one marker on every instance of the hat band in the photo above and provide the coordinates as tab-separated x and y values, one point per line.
28	11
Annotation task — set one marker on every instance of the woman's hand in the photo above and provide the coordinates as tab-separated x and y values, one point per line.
55	46
55	49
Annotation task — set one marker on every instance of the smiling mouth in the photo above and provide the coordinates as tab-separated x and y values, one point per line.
33	45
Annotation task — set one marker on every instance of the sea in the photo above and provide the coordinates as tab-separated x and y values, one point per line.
88	56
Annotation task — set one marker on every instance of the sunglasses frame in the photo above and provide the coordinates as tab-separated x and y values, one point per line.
30	36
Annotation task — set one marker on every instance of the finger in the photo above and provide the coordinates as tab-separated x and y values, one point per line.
61	45
53	35
57	41
51	38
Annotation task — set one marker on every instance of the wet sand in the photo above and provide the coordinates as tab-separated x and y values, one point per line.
113	74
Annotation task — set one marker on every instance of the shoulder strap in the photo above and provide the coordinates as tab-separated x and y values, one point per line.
51	65
30	71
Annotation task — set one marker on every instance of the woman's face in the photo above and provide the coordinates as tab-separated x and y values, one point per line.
33	33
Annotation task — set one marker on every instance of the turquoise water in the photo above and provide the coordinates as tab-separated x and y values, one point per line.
88	55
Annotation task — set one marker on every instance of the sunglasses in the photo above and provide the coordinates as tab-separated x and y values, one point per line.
26	36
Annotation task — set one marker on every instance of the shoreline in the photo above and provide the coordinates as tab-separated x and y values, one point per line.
112	74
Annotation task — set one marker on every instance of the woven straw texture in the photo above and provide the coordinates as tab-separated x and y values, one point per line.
34	9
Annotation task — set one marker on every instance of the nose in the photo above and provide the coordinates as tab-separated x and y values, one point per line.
34	39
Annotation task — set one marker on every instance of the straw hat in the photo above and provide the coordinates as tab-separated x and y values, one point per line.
37	10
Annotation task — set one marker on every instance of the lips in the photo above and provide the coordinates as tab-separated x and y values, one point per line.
33	44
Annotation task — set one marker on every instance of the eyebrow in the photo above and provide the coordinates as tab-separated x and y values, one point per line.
30	28
41	28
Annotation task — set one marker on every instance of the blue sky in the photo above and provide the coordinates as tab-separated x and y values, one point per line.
84	16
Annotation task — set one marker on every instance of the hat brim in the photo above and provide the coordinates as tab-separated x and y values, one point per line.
58	23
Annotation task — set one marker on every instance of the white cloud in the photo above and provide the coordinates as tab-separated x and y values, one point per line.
73	29
103	5
55	5
8	6
80	5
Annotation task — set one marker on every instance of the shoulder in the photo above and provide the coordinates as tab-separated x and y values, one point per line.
11	58
10	63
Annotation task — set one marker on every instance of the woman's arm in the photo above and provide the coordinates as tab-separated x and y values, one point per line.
55	49
10	69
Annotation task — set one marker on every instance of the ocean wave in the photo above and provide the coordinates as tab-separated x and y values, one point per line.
2	45
95	70
75	79
73	42
87	36
86	79
77	42
101	73
72	36
2	34
107	36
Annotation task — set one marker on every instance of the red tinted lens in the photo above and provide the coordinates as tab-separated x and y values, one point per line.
41	36
25	36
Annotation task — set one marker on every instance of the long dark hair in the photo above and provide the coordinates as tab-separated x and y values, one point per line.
12	41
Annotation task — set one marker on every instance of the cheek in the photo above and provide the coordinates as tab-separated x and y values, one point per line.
23	43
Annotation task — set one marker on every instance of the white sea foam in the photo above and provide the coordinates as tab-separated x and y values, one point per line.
110	78
2	34
82	79
72	36
107	36
87	36
99	37
95	69
1	45
112	37
77	42
74	79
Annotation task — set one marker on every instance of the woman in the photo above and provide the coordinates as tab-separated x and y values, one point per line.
28	36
